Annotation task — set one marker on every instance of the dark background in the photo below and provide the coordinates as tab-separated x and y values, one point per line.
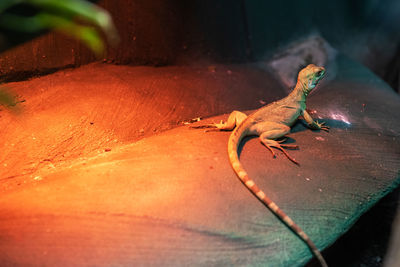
165	32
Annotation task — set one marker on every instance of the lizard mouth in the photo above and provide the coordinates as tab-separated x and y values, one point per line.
309	77
318	76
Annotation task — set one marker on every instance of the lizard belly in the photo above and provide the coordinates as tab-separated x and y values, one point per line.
273	117
291	116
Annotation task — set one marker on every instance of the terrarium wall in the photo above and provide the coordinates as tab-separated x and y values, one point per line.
164	32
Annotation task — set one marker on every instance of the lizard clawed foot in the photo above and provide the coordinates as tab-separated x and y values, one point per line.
325	128
322	126
280	147
289	146
271	150
210	127
273	143
204	126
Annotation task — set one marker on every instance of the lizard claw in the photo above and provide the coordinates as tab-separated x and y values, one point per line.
203	126
281	140
219	125
325	128
268	143
321	126
281	148
290	146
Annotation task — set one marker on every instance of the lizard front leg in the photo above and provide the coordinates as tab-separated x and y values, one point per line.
314	124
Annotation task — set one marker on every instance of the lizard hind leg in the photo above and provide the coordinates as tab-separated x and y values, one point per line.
268	140
234	119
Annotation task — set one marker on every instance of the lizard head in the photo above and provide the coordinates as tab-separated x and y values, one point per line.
309	77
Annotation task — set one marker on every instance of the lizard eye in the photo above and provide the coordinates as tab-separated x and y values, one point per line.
320	73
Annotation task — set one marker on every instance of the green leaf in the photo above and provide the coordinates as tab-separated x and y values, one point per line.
6	99
86	34
67	17
4	4
24	24
82	9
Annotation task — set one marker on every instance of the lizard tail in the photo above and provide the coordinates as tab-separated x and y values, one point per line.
234	140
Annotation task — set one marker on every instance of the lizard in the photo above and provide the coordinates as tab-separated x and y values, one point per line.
272	123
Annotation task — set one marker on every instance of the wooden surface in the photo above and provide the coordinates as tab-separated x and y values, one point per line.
173	200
